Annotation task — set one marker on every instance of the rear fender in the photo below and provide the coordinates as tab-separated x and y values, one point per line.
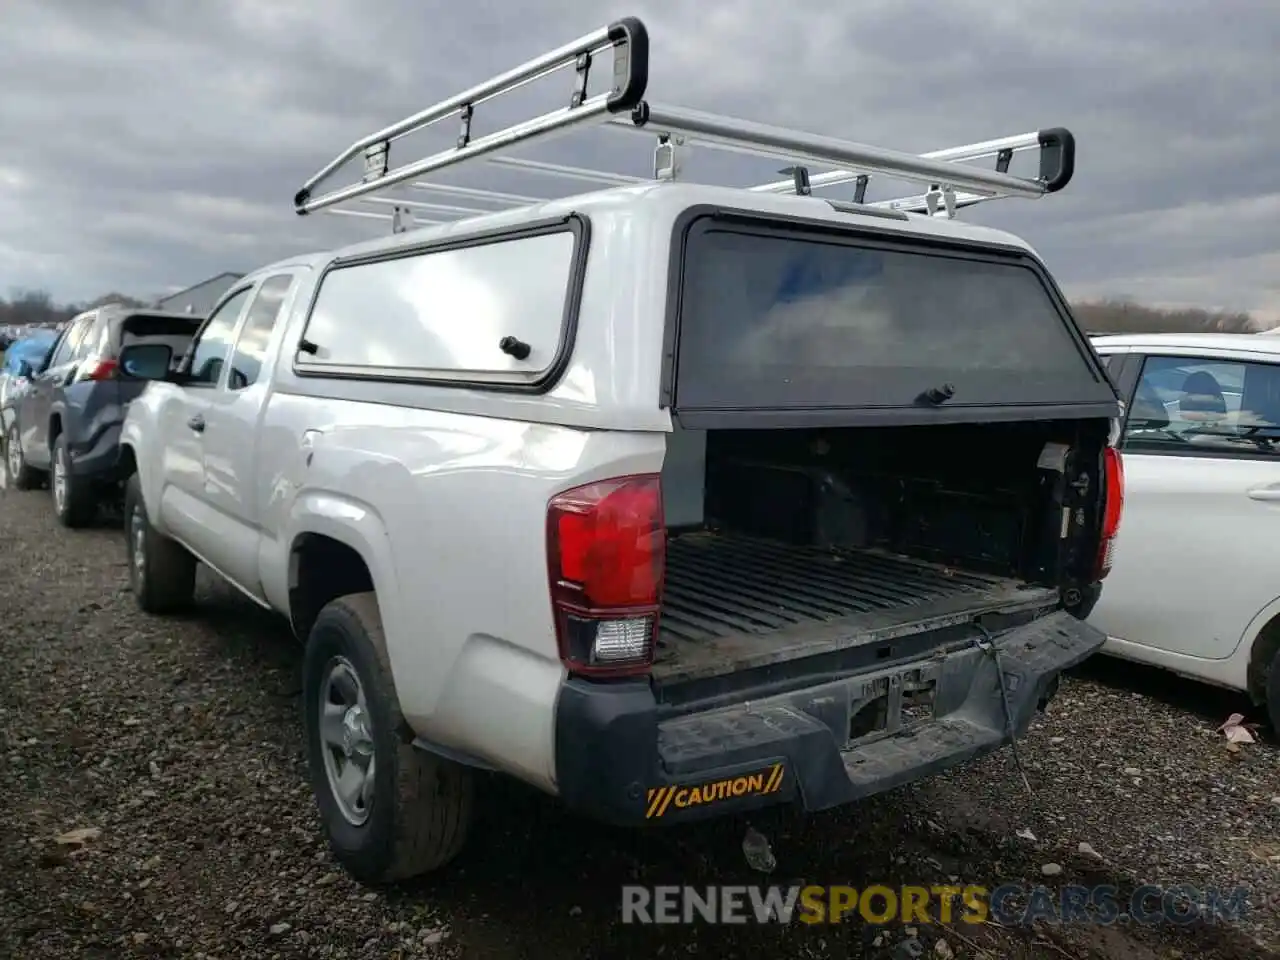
358	525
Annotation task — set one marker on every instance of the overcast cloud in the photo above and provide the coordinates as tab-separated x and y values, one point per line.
148	144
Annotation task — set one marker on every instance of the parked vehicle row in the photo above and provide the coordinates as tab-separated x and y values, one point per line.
65	400
11	333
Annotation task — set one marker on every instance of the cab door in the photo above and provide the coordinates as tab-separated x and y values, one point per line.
184	509
232	437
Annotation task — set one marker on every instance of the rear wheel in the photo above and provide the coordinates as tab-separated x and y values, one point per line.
390	810
162	573
74	498
22	476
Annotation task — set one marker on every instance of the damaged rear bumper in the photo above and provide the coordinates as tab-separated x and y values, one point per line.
623	758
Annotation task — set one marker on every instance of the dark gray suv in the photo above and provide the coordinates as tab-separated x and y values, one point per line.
67	425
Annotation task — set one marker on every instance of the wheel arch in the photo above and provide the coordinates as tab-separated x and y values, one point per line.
56	425
322	568
128	461
1263	652
326	525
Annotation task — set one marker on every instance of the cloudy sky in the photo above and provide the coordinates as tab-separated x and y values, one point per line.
148	144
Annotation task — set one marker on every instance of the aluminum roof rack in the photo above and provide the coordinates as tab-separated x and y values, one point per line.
950	181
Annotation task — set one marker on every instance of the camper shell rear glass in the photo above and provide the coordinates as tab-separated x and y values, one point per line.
784	320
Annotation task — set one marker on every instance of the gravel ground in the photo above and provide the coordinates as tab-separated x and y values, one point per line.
176	746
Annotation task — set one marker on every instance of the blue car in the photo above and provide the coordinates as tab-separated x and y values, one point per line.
20	359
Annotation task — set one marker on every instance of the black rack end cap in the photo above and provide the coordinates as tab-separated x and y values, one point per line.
1057	158
300	200
630	39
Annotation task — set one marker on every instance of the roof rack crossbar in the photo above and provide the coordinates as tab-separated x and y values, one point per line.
950	179
1056	147
361	214
626	37
472	193
374	215
744	136
530	131
570	173
503	200
964	154
425	205
920	203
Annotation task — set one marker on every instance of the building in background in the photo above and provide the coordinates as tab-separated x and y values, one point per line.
198	299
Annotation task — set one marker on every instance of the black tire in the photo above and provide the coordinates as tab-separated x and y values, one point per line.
165	580
24	477
78	505
421	809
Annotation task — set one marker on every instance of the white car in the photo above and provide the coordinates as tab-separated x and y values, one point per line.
1196	583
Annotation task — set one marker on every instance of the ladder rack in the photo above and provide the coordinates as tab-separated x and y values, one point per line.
951	182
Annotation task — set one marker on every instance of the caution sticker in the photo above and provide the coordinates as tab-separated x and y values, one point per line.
661	799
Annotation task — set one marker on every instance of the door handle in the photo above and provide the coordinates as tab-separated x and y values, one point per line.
196	423
1270	492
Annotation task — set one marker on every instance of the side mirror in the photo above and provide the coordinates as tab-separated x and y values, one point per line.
24	369
146	361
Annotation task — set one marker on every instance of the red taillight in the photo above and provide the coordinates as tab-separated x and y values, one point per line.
606	546
98	368
1112	509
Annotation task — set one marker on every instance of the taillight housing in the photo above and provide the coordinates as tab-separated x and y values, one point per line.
606	551
97	368
1112	508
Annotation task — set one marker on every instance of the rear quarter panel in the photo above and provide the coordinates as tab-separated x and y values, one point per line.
449	513
444	490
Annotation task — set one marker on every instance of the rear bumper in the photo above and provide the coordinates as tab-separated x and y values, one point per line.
621	759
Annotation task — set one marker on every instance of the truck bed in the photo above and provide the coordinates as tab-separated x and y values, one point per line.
733	602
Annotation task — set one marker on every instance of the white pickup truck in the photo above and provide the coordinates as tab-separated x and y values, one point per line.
670	499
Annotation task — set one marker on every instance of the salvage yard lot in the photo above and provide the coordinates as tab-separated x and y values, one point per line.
178	744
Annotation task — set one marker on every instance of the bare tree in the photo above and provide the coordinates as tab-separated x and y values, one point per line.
1124	316
25	307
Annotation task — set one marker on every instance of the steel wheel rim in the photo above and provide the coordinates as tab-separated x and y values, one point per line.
346	741
59	479
138	544
15	454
